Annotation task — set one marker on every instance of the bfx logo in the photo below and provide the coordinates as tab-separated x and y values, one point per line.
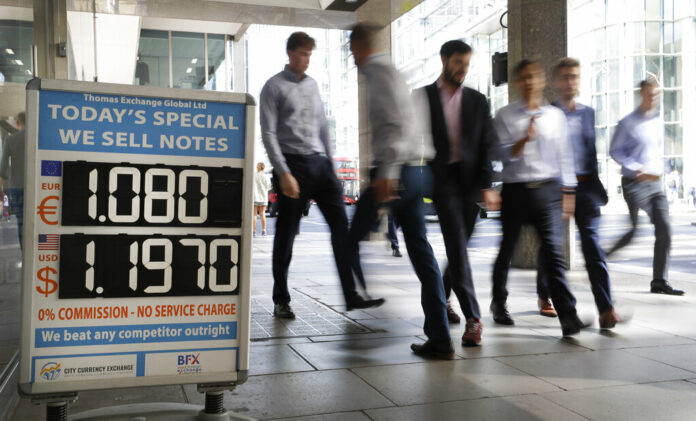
189	359
188	364
50	371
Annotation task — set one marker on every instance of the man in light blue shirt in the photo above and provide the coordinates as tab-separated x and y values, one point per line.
638	146
538	186
295	134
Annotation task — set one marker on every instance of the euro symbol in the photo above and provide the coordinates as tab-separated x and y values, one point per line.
43	209
44	276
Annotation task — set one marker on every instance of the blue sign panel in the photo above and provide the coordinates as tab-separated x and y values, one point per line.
72	121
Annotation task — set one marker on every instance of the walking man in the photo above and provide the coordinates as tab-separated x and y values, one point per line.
295	134
538	188
462	133
637	146
398	181
589	194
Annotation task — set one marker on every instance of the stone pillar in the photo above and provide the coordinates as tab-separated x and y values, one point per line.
538	29
50	31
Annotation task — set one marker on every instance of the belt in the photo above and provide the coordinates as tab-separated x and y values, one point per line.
537	184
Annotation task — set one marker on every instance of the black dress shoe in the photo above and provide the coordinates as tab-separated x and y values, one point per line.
439	350
396	253
660	286
501	315
283	311
360	302
572	325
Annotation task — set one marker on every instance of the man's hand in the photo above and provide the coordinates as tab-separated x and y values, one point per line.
568	206
289	186
518	147
643	176
385	189
492	199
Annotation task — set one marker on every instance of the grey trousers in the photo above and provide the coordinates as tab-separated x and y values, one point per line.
649	197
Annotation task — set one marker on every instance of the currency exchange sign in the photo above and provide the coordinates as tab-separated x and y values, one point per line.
136	265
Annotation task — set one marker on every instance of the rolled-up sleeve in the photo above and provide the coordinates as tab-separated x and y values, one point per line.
268	110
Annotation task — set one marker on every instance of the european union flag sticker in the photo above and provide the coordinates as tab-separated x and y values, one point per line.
51	168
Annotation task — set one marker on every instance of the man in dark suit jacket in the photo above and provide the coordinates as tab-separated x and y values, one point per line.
589	195
462	132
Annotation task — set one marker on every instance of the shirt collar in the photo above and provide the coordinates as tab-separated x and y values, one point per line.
293	77
578	107
440	84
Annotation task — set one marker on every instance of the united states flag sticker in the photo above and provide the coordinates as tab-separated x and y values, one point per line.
48	241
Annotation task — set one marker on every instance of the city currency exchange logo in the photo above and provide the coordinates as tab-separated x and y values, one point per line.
188	364
50	371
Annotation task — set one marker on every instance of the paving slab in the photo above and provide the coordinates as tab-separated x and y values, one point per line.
441	381
672	401
275	359
581	370
680	356
518	408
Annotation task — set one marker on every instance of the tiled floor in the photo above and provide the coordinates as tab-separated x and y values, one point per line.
334	365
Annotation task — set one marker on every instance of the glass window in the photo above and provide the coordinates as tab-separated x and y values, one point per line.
673	139
638	70
614	40
668	38
598	103
614	108
602	141
599	76
672	73
672	101
635	37
614	73
652	64
636	9
216	63
653	9
188	60
152	67
652	37
599	43
16	38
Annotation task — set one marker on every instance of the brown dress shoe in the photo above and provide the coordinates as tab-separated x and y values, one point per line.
452	315
546	308
608	319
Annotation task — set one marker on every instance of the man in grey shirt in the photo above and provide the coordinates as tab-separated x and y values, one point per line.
399	179
12	169
637	146
295	134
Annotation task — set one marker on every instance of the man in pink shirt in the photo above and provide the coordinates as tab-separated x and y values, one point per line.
462	133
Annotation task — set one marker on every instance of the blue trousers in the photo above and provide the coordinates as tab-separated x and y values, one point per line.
408	211
587	216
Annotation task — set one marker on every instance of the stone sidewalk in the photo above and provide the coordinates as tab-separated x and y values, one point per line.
330	364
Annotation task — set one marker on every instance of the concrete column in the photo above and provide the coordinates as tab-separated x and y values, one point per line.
239	82
50	31
538	29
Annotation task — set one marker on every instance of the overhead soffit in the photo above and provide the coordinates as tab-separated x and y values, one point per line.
332	14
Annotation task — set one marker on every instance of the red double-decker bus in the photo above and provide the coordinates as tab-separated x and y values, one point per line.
347	169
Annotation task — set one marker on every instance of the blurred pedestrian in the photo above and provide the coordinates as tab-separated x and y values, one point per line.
261	187
590	194
538	188
295	133
398	181
637	146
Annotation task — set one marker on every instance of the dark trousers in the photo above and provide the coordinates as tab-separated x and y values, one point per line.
649	197
392	226
16	198
587	216
539	204
408	211
455	211
317	180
